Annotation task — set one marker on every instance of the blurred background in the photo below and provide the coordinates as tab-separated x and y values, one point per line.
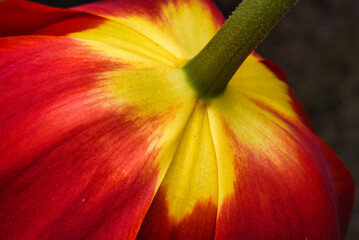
317	45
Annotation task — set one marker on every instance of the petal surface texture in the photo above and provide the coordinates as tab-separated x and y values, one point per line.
71	148
102	137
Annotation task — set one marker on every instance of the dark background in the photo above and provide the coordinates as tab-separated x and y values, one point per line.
317	45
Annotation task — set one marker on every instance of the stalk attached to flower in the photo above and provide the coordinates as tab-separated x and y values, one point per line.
211	69
119	121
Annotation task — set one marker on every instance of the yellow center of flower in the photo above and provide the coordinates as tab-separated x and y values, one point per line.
196	155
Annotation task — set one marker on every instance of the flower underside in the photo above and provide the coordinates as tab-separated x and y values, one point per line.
102	136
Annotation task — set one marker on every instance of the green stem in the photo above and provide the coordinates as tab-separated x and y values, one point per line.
211	69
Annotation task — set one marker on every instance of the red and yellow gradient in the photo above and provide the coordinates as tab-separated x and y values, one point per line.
101	136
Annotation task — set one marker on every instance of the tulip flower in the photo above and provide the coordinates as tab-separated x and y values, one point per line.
116	122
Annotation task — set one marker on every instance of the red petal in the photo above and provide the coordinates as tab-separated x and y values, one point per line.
300	199
71	164
20	17
343	183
